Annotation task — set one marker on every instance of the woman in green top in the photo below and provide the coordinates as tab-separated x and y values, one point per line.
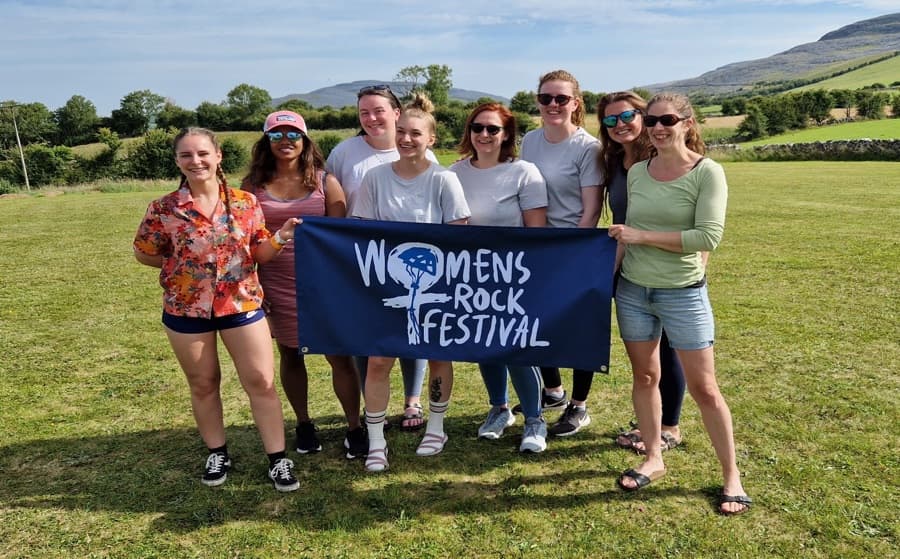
676	211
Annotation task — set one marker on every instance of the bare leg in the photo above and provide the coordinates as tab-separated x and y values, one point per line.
700	375
196	353
295	381
250	348
644	358
345	382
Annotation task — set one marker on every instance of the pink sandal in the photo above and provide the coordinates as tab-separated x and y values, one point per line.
376	461
431	444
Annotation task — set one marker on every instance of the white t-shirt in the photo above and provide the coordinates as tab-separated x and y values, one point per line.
351	159
499	195
434	196
567	167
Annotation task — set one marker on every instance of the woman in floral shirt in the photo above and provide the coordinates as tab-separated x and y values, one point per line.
207	238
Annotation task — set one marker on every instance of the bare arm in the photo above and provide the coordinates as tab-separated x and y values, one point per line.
153	260
665	240
536	217
269	249
335	201
463	221
590	200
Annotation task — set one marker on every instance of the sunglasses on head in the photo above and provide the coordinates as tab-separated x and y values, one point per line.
374	89
666	120
478	128
546	99
291	135
609	121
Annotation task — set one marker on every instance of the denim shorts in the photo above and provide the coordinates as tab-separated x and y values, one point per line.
194	325
684	312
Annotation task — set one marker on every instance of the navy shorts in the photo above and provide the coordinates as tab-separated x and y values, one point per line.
194	325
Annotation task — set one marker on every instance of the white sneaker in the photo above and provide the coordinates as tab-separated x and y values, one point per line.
534	439
498	419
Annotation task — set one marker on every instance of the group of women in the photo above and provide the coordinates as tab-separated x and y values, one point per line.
668	206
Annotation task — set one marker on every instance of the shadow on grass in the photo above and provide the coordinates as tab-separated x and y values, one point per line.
157	473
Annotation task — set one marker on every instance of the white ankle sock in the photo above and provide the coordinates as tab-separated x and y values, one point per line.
436	411
375	427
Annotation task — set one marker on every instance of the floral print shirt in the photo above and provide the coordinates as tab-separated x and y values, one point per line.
208	269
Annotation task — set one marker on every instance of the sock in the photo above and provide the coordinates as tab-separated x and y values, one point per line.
275	457
223	449
582	407
375	428
558	393
436	411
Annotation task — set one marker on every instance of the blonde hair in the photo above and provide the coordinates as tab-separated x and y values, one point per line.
421	107
564	76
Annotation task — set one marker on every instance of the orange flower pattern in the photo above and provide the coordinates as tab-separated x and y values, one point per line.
208	268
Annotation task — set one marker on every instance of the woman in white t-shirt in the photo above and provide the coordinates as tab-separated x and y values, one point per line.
379	109
503	191
417	190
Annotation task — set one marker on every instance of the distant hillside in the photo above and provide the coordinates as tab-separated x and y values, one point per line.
868	38
344	94
885	72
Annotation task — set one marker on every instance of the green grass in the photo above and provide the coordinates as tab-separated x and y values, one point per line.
885	72
99	455
884	129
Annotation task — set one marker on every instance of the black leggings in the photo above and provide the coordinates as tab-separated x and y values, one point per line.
581	381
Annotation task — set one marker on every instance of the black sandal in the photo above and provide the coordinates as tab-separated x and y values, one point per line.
640	479
740	499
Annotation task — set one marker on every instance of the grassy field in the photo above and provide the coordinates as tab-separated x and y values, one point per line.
885	72
99	455
884	129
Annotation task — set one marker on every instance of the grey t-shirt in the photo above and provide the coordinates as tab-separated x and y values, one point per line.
568	167
435	196
499	195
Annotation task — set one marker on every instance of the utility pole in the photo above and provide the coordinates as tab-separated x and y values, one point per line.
19	143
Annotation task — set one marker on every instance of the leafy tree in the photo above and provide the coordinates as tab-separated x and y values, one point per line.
843	99
895	106
438	83
646	94
297	105
234	155
173	116
754	124
137	112
76	121
816	104
590	101
732	106
34	121
151	157
411	78
248	106
870	105
213	116
524	102
46	165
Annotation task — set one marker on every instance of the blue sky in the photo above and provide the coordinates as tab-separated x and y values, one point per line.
197	51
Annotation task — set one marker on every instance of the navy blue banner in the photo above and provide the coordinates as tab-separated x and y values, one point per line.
522	296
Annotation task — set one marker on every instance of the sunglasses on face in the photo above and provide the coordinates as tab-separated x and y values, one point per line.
609	121
666	120
277	136
546	99
478	128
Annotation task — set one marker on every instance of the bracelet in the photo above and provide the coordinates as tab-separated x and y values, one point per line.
275	244
279	239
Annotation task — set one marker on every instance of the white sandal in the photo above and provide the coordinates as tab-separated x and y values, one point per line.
376	460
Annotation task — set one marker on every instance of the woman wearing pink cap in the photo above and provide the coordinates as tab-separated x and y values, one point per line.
287	175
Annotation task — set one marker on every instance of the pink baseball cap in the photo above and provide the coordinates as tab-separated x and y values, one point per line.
284	118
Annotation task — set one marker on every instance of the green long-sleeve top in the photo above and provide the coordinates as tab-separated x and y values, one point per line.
693	204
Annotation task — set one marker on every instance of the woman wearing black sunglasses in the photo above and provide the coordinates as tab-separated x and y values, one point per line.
503	191
676	211
567	158
624	142
287	175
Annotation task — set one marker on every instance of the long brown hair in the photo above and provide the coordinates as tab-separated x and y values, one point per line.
692	138
507	148
262	164
564	76
612	153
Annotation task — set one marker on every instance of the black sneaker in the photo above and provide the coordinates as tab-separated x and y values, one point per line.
217	465
357	443
282	475
571	421
548	402
307	441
